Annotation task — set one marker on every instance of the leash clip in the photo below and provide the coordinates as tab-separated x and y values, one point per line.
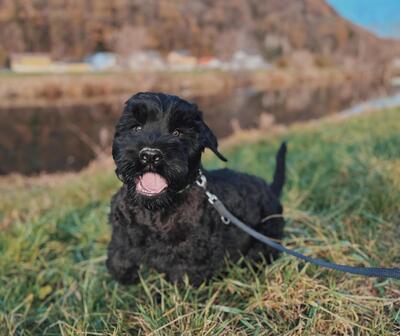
225	220
211	197
201	181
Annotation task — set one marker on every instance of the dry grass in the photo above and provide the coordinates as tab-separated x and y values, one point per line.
342	202
64	89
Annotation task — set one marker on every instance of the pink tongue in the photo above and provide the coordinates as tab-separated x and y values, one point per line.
151	183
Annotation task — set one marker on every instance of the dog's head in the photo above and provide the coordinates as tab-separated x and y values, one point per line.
157	147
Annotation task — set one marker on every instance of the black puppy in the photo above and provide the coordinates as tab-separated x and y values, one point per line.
160	216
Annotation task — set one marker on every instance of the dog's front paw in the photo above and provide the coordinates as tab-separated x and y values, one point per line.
121	270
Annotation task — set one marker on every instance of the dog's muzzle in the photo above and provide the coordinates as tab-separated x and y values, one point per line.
151	184
150	156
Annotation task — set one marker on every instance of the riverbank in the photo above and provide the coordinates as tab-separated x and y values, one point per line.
41	90
52	123
341	203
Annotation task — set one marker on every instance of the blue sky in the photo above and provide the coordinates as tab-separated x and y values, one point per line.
379	16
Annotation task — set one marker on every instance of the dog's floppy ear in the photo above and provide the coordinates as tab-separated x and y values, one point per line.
210	141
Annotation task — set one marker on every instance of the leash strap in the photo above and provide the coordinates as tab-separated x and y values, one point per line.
227	217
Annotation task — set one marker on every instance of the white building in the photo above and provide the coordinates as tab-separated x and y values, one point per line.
146	60
181	60
241	60
102	61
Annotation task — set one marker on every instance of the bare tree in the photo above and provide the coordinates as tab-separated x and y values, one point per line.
128	40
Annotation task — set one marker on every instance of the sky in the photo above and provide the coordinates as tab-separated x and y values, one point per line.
379	16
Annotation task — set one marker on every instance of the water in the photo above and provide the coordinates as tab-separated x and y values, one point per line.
373	105
68	136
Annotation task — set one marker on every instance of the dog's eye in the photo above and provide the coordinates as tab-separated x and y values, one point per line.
137	128
177	133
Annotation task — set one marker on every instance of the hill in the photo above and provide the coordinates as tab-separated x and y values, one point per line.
274	28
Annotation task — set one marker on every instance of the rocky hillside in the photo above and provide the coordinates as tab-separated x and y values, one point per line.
274	28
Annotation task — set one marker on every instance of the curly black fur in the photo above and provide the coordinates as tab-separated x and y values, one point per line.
178	232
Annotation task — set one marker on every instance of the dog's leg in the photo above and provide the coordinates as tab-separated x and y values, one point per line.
124	252
121	269
122	261
196	275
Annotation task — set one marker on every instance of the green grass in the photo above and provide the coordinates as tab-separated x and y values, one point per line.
342	203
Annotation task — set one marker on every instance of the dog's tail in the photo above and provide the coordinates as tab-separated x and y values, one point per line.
279	175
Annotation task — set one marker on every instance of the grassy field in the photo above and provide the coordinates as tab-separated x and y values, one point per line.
342	203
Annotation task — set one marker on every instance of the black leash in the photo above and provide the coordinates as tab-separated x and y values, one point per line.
227	217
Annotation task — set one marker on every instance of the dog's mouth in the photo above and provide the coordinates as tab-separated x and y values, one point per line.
151	184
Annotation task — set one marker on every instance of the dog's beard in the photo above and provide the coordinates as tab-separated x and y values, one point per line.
155	188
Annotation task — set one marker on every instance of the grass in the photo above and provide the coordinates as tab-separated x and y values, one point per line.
342	203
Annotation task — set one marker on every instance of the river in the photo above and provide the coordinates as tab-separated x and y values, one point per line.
67	136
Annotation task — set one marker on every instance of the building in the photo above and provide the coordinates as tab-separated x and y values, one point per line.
102	61
209	62
30	62
241	60
42	62
146	60
181	60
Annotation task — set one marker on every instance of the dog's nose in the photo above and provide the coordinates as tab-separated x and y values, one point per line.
150	156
